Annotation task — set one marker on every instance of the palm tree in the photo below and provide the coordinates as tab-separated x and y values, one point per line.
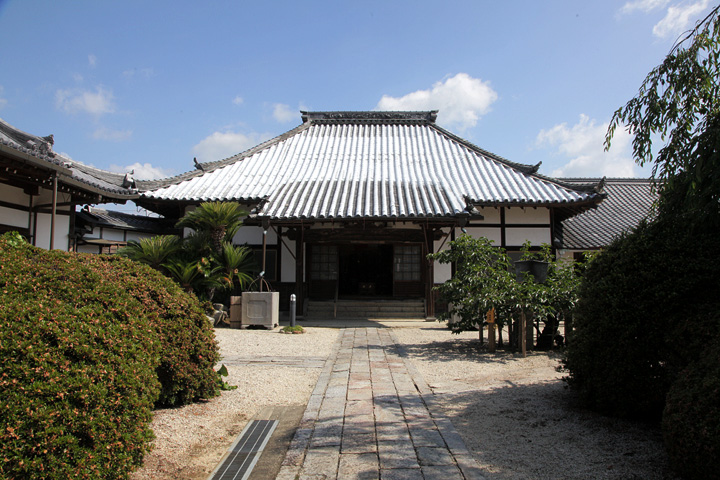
220	219
236	263
152	251
195	276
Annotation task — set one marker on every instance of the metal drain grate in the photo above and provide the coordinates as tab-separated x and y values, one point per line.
245	452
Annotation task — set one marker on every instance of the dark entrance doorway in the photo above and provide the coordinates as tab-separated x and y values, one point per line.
366	269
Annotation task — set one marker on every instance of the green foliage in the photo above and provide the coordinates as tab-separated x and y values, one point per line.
222	384
679	101
485	279
235	265
482	281
221	221
691	420
656	291
153	251
644	314
205	260
89	345
77	374
295	329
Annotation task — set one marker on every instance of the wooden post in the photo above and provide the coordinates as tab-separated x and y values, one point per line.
522	334
299	270
491	330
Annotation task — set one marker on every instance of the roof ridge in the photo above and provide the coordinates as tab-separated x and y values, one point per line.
372	116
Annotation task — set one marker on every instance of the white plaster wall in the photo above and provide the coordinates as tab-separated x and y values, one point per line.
492	234
16	218
112	234
137	236
492	215
62	227
254	236
443	271
405	226
15	195
88	249
517	236
540	215
287	262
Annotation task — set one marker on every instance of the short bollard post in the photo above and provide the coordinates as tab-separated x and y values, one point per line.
292	309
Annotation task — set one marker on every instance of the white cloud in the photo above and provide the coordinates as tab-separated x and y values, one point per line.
221	145
283	113
679	18
139	72
75	100
461	100
643	5
142	171
3	101
582	146
92	60
238	100
104	133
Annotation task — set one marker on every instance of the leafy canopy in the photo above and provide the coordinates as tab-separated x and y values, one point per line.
679	101
485	279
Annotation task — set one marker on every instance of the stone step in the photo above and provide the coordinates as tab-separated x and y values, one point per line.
368	309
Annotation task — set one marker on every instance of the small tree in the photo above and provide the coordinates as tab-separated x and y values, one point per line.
482	281
219	220
205	260
485	279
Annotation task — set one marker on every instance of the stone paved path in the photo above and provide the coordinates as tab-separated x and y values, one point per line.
371	416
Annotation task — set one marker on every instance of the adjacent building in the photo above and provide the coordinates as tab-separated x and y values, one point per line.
40	189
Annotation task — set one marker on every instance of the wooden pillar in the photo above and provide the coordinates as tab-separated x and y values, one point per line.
299	269
429	273
54	211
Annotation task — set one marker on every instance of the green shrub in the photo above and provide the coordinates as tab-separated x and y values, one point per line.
89	344
642	315
188	347
78	374
691	420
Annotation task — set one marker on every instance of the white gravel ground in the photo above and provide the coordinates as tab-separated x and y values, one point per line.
191	440
514	413
520	421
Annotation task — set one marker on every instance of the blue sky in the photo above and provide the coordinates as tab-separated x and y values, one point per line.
150	85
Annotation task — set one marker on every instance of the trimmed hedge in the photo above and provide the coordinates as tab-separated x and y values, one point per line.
691	420
644	314
89	345
646	343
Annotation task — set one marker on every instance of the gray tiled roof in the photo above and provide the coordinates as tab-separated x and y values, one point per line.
628	201
40	148
369	165
97	217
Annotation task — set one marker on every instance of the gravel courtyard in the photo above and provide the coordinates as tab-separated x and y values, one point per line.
514	414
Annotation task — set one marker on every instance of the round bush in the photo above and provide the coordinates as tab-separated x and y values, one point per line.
188	350
78	374
691	420
89	344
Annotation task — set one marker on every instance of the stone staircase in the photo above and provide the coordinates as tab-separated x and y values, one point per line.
368	309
